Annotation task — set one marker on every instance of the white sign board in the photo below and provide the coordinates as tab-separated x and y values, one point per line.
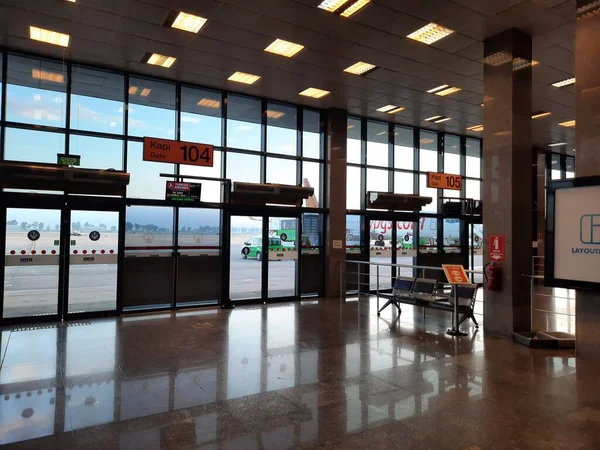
337	244
577	234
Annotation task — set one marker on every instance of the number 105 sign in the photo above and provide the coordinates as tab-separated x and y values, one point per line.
177	152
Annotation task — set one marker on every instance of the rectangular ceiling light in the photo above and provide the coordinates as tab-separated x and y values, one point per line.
568	124
361	68
540	114
161	60
439	88
274	114
44	75
355	7
133	90
557	144
397	110
49	37
386	108
208	103
476	128
314	92
447	91
431	119
563	83
443	119
187	22
246	78
145	92
332	5
284	48
430	33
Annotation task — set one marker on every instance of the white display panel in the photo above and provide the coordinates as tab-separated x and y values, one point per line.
577	234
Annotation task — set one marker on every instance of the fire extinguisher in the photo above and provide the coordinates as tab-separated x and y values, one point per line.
493	276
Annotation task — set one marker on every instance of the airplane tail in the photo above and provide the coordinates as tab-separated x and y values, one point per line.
310	202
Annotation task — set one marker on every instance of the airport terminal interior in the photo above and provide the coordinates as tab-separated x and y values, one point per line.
282	224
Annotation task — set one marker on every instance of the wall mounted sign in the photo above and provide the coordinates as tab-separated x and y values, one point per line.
178	152
438	180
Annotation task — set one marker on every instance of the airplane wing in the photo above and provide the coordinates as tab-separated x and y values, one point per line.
311	202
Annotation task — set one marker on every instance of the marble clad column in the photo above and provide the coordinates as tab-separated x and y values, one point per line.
335	154
507	183
587	162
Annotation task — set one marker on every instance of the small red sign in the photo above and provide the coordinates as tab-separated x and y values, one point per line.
496	247
456	274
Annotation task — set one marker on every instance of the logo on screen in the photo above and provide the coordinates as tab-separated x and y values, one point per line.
589	229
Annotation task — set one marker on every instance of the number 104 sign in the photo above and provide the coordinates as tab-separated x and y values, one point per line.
177	152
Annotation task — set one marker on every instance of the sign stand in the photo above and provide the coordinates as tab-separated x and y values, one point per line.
456	275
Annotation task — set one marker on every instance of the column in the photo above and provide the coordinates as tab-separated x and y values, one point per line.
587	162
507	183
335	153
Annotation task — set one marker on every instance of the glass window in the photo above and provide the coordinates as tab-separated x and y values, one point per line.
377	144
452	235
211	190
243	122
404	154
428	235
473	189
428	153
404	183
151	108
311	173
311	134
149	226
200	116
243	167
281	171
98	153
145	181
36	91
473	158
353	194
377	180
353	232
570	167
96	100
33	146
428	192
451	154
555	168
282	123
353	141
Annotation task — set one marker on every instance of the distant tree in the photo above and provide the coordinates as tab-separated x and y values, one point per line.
128	226
162	230
47	227
189	229
78	225
24	225
137	226
57	227
102	226
12	222
41	225
35	224
74	225
113	228
87	224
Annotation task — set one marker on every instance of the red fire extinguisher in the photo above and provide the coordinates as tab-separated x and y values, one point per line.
493	276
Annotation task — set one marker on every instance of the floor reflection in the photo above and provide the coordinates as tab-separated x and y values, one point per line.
284	376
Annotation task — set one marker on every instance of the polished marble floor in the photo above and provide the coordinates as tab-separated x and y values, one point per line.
314	374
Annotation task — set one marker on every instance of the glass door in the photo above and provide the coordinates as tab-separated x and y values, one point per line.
246	255
283	253
380	251
31	262
476	250
93	261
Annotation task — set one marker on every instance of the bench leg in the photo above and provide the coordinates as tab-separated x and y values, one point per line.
386	305
474	321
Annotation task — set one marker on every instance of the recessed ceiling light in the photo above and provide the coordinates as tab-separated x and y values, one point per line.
397	110
284	48
557	144
540	114
386	108
563	83
71	1
209	103
498	58
439	88
520	63
246	78
430	33
443	119
568	124
156	59
145	92
427	141
431	119
133	90
49	37
447	91
185	21
332	5
314	92
476	128
44	75
350	127
361	68
274	114
355	7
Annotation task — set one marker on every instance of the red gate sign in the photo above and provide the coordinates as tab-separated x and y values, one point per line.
456	274
496	247
177	152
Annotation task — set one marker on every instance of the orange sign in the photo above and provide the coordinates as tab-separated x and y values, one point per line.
456	274
444	181
177	152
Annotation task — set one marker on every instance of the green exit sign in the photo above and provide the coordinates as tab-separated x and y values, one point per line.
68	160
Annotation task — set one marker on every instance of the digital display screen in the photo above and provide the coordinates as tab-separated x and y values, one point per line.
183	192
